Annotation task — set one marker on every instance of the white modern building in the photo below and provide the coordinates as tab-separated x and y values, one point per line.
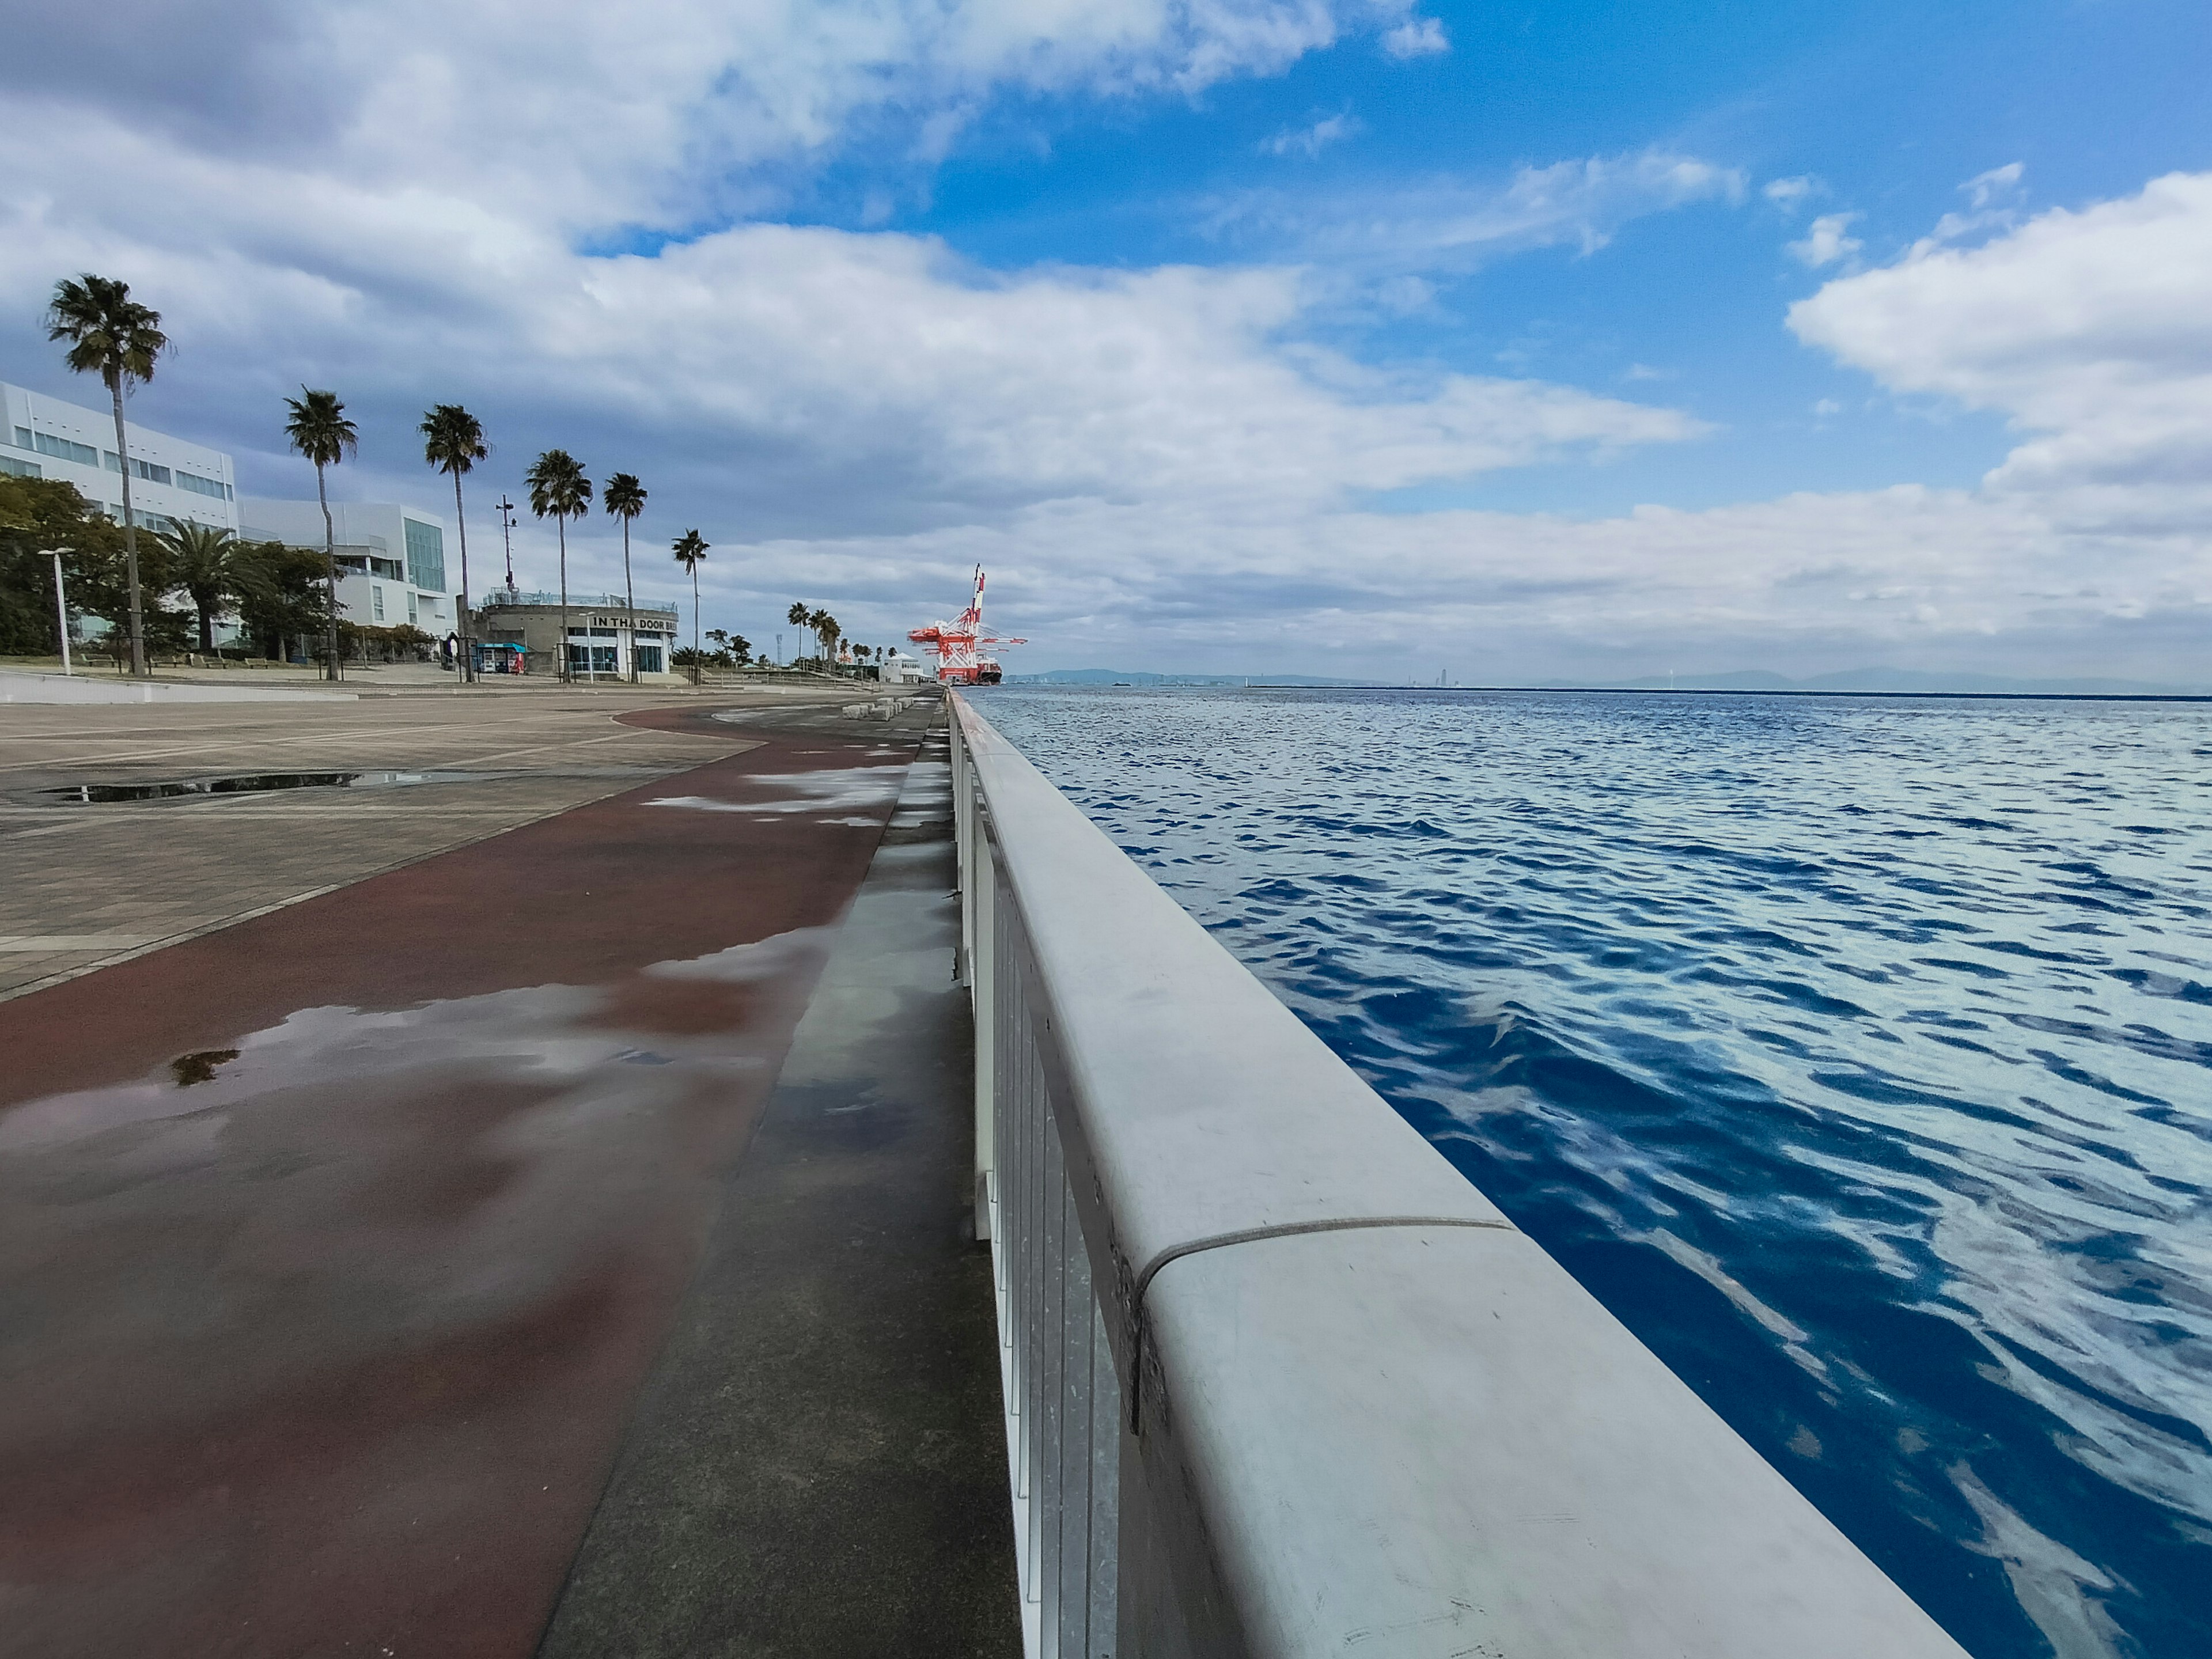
391	559
171	480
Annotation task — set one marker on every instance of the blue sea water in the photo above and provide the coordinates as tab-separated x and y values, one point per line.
1856	1053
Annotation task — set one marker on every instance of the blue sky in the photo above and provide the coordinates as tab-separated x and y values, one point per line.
1232	335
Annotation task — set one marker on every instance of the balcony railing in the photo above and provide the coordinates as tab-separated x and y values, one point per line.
1278	1380
498	598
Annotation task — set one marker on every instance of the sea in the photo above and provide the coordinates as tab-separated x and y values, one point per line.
1855	1052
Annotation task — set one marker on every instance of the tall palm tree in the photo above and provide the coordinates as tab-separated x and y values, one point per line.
690	548
624	497
559	490
798	614
114	337
319	430
826	630
453	441
207	565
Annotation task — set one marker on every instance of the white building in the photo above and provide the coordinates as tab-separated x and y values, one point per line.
391	559
171	480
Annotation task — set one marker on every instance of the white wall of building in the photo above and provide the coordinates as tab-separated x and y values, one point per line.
170	480
397	565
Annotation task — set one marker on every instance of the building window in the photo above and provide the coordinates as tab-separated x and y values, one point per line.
414	608
376	599
62	450
9	464
22	437
649	658
603	659
148	471
426	556
200	486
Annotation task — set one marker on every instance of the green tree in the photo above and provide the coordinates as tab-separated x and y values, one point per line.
114	337
691	549
798	615
38	516
826	630
281	595
319	431
624	497
453	442
203	562
559	491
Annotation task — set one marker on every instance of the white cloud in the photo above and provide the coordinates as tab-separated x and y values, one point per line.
1827	239
1310	141
1997	182
1787	194
1993	203
593	116
2087	329
1455	224
1825	407
1417	37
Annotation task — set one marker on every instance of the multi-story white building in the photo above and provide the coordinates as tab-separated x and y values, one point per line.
171	480
391	559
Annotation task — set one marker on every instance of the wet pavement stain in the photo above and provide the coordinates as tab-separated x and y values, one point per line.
321	1339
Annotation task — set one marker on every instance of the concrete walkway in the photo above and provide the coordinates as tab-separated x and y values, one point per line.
337	1246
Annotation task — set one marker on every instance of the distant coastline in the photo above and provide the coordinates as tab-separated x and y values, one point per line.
1859	682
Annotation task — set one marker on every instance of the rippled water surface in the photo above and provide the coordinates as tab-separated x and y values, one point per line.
1856	1053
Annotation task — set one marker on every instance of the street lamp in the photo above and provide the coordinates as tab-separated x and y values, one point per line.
506	535
61	604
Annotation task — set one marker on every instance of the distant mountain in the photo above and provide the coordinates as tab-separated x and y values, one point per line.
1904	680
1139	677
1895	681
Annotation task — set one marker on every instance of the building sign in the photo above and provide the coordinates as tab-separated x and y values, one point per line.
643	624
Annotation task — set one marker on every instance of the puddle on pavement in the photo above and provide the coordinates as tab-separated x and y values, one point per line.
258	783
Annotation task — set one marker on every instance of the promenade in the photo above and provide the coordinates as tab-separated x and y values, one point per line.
516	1211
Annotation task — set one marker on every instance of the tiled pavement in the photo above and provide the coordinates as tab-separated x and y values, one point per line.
83	886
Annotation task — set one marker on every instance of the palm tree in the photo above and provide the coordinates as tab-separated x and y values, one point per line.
799	615
826	630
624	497
453	441
319	430
559	490
207	567
691	549
112	335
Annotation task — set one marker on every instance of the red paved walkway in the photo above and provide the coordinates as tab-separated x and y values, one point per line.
331	1351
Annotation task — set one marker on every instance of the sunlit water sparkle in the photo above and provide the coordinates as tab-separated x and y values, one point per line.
1856	1053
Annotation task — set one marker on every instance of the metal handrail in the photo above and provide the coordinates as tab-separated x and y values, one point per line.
1278	1380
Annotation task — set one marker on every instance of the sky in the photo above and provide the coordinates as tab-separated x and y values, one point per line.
1372	337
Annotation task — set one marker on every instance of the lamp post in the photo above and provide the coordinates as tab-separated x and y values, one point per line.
61	604
506	535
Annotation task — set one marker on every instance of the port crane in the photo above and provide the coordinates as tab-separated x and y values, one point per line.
960	658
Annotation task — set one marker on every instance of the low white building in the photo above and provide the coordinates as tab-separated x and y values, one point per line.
171	480
391	559
899	669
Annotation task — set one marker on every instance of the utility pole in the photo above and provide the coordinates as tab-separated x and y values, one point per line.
61	604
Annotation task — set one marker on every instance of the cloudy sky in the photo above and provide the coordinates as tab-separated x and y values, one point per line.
1344	336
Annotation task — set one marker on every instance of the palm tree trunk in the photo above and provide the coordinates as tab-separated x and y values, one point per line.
695	615
561	524
207	629
630	599
130	538
468	663
329	570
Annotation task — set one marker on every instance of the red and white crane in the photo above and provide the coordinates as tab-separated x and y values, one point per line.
960	658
